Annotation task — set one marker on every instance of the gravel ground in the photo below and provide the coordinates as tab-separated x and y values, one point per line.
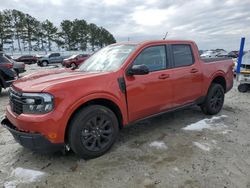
180	149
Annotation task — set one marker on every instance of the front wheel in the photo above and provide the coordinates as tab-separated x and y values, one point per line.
44	63
93	131
214	100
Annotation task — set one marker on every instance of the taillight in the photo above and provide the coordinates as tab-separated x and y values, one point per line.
7	65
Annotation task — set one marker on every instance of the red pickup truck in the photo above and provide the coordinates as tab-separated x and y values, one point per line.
84	109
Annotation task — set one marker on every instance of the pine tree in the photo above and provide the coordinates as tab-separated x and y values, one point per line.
93	33
50	32
80	30
29	33
5	29
18	25
67	34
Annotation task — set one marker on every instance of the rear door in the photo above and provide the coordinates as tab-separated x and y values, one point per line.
188	77
151	93
55	58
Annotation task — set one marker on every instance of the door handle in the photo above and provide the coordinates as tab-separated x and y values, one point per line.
164	76
193	70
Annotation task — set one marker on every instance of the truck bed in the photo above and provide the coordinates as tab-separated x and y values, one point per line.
208	60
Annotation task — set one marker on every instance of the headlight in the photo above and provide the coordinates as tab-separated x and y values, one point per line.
37	103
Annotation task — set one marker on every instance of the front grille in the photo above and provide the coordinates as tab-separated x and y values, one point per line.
16	101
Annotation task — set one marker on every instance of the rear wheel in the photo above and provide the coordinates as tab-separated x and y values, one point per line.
214	100
93	131
243	88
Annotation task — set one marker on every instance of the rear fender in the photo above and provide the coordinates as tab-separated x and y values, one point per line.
213	76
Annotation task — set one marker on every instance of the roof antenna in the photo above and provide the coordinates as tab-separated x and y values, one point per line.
164	38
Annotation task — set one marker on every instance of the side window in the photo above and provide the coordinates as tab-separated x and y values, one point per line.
153	57
55	55
182	55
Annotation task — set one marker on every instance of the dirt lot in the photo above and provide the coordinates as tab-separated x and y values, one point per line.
180	149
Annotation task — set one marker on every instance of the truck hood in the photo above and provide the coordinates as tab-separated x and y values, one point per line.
37	82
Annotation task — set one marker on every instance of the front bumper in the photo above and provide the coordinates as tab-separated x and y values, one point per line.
33	141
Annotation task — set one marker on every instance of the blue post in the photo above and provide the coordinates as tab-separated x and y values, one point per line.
242	43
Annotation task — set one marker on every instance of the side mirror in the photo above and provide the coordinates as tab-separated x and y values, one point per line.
138	70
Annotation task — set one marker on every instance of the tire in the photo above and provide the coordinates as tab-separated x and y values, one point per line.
243	88
73	65
214	100
93	131
44	63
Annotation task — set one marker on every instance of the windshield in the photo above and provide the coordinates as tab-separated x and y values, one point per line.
109	58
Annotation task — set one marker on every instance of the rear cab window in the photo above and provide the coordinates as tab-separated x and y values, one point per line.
182	55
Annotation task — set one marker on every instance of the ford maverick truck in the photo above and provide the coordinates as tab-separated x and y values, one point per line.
84	109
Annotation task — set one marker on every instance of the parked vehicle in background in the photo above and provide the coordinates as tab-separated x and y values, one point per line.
233	54
222	53
83	109
209	54
19	67
7	73
244	77
50	59
27	59
75	60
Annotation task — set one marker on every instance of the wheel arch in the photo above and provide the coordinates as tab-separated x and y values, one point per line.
45	60
96	101
219	78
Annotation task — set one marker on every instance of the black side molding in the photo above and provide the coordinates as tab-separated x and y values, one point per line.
122	85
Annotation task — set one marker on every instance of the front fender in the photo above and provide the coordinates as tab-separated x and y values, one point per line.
98	95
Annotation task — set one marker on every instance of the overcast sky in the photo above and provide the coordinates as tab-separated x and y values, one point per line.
211	23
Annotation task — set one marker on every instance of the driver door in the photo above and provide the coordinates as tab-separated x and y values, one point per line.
151	93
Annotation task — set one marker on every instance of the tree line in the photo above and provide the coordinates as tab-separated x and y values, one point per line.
23	32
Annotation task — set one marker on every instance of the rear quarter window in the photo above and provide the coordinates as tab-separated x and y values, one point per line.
182	55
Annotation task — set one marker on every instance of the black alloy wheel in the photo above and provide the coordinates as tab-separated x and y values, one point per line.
214	100
93	130
97	133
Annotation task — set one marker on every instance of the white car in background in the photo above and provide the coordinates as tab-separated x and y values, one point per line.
209	54
222	53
